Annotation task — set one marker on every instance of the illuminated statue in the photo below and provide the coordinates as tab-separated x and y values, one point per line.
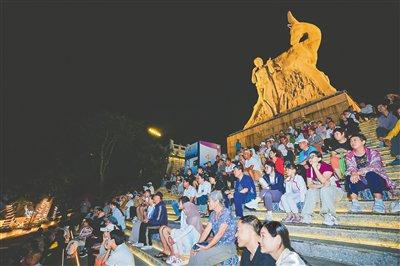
291	79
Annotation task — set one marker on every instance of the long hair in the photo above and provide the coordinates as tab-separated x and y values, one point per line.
276	228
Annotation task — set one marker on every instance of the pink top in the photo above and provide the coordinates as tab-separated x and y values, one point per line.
324	167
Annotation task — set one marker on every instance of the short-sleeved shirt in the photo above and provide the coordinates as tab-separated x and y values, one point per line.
303	155
121	256
324	167
259	259
336	145
216	222
190	192
255	162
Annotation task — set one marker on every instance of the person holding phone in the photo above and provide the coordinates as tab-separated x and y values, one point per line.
222	246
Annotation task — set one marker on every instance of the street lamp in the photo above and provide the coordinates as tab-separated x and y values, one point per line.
154	132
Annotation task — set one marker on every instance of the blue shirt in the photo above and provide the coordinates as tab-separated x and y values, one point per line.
303	155
238	146
225	218
120	218
387	122
246	182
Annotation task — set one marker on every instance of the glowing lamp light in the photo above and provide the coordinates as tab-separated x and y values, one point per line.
154	132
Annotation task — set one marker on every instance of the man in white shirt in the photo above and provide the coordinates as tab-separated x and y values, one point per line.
120	253
202	193
286	148
189	192
268	146
252	165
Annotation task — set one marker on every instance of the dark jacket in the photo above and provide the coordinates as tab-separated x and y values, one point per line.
159	216
278	185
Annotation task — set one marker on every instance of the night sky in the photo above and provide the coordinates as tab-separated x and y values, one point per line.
184	67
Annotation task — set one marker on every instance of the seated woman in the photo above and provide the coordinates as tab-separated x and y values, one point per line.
222	246
276	157
276	242
322	186
272	187
365	170
245	190
296	190
248	236
178	242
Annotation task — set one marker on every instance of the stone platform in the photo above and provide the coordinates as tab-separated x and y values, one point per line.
332	106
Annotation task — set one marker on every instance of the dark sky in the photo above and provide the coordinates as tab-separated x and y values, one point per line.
184	67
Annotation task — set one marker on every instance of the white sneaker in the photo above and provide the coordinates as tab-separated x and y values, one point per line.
329	219
170	259
355	207
306	219
146	247
395	206
139	245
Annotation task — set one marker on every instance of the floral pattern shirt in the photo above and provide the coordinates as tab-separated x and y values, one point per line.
217	221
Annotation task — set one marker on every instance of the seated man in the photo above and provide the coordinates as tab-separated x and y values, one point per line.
245	190
365	170
158	218
322	186
386	121
202	193
314	139
392	140
120	253
118	214
339	147
367	111
189	192
252	164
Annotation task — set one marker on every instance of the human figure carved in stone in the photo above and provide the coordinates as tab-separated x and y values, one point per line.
292	78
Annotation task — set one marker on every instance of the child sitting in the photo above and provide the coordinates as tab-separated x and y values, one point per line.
296	190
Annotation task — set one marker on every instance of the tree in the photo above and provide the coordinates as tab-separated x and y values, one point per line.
102	133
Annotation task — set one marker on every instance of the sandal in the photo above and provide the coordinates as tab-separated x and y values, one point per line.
161	255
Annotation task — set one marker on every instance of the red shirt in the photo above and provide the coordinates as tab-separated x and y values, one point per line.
279	165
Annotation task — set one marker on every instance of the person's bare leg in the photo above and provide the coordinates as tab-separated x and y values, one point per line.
163	239
166	233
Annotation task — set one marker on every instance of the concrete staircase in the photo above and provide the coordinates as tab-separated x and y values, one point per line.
364	238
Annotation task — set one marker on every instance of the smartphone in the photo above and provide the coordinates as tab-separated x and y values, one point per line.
196	247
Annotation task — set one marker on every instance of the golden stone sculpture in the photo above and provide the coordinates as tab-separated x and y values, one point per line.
292	78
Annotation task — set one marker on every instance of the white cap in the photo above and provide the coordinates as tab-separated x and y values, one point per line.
301	139
262	143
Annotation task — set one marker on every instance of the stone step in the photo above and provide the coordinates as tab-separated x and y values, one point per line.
315	251
388	238
342	207
366	219
346	253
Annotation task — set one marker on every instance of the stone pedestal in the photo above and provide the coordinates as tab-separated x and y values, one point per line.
332	106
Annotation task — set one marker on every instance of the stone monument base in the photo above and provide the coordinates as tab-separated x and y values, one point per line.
332	106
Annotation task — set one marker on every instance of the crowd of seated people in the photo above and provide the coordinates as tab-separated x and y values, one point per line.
291	173
279	162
